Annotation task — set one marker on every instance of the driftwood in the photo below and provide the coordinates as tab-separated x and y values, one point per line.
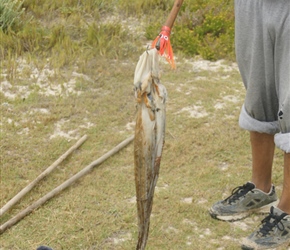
63	186
25	190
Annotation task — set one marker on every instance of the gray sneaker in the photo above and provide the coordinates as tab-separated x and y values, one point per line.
243	201
274	232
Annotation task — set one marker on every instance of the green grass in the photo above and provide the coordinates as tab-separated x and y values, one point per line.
66	78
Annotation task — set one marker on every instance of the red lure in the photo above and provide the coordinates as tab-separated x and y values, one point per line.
163	45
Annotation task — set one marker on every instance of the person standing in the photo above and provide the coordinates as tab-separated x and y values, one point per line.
262	39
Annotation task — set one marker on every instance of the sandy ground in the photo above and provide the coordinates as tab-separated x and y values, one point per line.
40	79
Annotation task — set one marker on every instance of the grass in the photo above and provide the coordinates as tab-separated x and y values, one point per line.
201	159
63	82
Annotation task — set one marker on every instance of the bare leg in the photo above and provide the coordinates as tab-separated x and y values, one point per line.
263	148
284	203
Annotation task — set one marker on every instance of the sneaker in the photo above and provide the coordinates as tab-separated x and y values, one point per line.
243	201
274	232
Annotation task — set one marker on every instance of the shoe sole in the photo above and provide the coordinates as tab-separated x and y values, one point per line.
282	247
254	246
235	217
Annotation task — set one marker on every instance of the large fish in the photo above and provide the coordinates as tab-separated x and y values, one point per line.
149	137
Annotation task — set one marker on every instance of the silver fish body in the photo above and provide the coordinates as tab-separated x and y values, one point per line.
149	137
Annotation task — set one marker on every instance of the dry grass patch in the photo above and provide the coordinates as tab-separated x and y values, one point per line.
205	156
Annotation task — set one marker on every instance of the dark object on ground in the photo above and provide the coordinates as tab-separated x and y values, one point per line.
44	248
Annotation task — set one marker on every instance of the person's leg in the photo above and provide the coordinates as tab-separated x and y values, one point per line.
262	153
284	203
263	148
274	230
254	53
257	195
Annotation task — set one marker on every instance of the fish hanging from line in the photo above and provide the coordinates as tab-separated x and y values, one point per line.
149	138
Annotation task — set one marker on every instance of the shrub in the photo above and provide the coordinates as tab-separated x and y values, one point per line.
10	14
203	28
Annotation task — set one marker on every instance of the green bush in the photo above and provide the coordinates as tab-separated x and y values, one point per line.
10	14
203	28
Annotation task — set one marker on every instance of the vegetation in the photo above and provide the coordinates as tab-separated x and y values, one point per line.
203	28
73	28
10	14
67	69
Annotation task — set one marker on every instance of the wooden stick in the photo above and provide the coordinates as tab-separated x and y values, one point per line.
25	190
173	13
64	185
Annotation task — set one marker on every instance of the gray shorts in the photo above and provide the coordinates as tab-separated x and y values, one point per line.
263	55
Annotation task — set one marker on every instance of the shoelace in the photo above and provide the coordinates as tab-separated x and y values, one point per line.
270	222
239	192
